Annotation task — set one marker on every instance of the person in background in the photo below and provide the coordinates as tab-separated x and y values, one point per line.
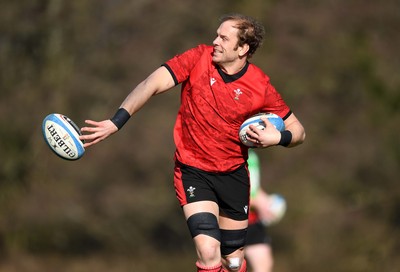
220	89
258	250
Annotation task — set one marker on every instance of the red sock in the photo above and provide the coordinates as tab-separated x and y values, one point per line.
201	268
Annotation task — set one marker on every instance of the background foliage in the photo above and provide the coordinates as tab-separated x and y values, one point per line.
335	62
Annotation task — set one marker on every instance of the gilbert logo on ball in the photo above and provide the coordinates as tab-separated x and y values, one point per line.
62	136
256	120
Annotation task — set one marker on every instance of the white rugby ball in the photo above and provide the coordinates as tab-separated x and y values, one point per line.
62	136
256	121
277	207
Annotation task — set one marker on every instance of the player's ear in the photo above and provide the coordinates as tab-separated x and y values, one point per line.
243	49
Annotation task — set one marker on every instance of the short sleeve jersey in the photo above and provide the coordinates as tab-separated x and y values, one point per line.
213	106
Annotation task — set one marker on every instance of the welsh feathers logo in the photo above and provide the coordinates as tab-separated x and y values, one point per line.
238	92
191	191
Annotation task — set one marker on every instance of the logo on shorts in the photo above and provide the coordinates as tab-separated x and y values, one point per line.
246	208
191	191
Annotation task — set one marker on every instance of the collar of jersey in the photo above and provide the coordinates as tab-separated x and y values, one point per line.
230	78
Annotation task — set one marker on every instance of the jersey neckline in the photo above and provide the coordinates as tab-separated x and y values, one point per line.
230	78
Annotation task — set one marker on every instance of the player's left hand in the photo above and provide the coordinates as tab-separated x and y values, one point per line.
269	136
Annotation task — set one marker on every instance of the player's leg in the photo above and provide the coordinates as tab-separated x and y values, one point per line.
233	237
201	212
203	225
211	242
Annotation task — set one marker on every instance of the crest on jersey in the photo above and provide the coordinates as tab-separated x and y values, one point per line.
238	92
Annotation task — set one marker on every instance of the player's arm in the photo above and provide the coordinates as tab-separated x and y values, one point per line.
157	82
298	134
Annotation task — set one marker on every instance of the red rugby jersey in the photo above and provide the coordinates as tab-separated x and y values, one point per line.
213	106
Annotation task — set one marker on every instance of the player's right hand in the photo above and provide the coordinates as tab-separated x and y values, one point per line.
97	132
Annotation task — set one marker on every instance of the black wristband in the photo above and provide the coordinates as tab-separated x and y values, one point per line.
286	138
120	118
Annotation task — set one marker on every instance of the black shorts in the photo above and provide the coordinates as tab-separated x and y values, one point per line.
231	191
257	234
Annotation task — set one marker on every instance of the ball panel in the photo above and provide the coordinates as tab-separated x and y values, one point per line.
276	121
62	136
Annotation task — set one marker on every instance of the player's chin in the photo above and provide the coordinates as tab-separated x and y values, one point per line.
216	58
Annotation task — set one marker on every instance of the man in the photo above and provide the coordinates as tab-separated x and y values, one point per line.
220	89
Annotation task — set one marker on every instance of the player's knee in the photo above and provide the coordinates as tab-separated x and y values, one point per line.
204	223
209	251
232	240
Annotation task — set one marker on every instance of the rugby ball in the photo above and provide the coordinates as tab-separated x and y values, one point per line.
62	136
256	121
277	207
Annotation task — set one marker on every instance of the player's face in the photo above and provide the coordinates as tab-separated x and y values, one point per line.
226	44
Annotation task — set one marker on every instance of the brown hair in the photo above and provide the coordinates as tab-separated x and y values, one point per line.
250	31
